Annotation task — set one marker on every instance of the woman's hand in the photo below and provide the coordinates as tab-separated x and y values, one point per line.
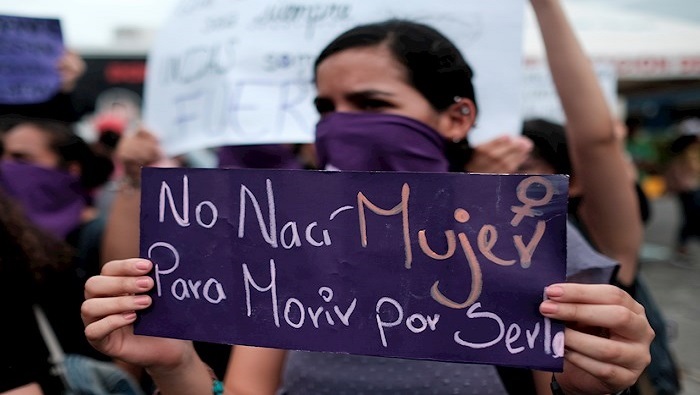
70	67
607	337
111	302
501	155
138	150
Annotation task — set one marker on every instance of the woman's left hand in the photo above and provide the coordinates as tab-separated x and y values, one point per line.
607	337
70	67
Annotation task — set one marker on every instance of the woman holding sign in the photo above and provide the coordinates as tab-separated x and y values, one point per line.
392	96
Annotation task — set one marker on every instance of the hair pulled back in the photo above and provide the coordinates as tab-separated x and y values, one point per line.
434	65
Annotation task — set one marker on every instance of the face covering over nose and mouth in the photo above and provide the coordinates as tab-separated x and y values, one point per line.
378	142
51	199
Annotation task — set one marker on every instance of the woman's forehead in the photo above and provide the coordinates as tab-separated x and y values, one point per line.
361	67
26	132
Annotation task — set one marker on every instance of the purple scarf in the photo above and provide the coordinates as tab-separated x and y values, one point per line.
378	142
51	199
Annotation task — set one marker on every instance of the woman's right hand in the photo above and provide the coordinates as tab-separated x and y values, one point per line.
502	155
137	150
109	311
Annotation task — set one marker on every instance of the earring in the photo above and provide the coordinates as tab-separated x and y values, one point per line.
464	109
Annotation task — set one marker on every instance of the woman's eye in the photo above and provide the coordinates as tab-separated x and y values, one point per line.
324	106
19	157
373	104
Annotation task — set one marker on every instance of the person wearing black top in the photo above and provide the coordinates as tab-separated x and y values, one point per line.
29	261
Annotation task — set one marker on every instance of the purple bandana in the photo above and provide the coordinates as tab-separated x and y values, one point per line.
378	142
51	199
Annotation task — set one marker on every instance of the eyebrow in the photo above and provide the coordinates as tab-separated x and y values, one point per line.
368	93
359	95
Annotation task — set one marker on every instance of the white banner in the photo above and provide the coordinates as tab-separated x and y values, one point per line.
540	98
228	72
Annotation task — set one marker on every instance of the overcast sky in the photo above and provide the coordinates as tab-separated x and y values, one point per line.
688	10
90	24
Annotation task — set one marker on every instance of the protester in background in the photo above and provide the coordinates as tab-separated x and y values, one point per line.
383	81
642	148
30	263
683	179
551	156
36	275
610	209
622	132
109	128
117	112
53	174
60	107
120	103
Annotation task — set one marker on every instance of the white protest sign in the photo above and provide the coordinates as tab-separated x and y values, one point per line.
240	72
540	98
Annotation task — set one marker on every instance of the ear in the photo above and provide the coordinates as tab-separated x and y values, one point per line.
575	188
456	121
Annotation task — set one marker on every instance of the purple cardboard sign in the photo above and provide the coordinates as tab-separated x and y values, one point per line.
30	49
448	267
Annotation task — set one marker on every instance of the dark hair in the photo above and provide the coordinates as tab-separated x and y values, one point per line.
681	143
435	67
549	140
70	148
22	243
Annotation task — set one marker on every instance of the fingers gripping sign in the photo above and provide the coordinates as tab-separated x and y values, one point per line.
607	336
109	311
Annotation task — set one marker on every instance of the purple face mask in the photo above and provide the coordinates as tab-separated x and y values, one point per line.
51	199
378	142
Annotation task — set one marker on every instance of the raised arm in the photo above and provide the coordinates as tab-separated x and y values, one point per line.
121	235
611	357
610	208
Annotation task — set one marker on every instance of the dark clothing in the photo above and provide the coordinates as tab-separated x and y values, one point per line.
318	373
23	354
61	297
690	204
87	241
264	156
214	355
58	108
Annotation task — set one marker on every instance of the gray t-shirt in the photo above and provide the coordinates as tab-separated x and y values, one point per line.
316	373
